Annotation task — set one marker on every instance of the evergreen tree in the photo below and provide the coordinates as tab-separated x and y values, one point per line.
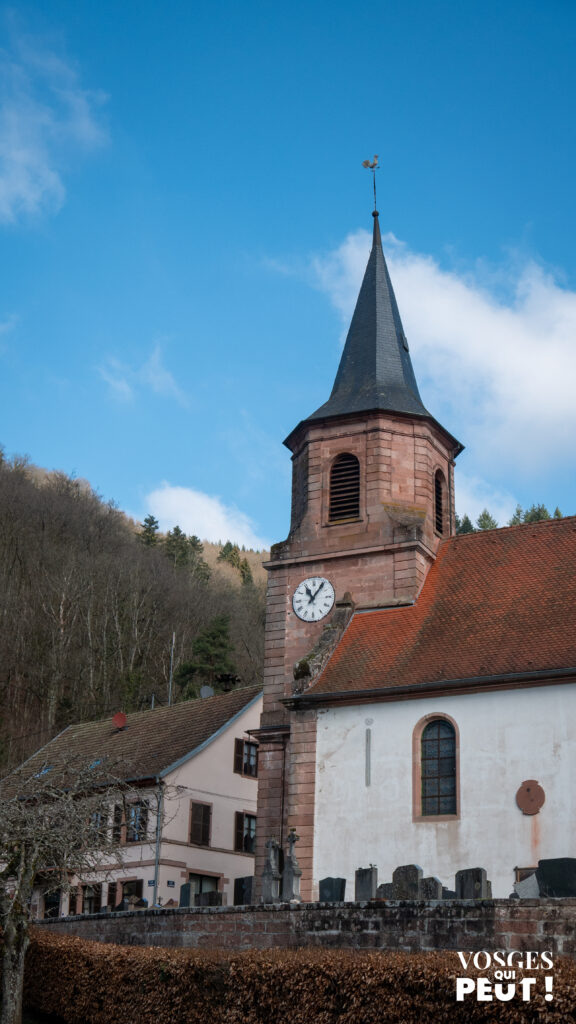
230	553
211	656
557	513
176	547
148	531
246	572
199	567
518	516
536	513
464	524
486	521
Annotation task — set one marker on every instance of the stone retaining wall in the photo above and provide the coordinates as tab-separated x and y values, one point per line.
411	925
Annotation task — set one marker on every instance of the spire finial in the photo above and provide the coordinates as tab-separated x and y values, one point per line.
373	166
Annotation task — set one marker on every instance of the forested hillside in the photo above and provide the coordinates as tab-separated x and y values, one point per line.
90	604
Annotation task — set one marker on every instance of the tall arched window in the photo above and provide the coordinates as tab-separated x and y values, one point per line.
344	488
440	515
438	768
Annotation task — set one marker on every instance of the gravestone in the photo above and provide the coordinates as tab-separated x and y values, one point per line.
406	881
365	883
292	871
271	875
243	890
385	891
208	899
472	884
186	895
557	876
527	889
430	888
332	890
448	894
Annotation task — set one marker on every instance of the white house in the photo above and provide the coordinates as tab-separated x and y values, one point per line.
194	768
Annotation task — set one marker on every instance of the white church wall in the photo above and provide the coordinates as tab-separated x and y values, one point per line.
505	738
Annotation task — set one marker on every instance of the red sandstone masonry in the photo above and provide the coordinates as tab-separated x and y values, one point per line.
538	925
398	457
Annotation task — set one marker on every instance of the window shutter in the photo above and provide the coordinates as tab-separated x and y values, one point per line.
206	824
239	831
200	827
238	755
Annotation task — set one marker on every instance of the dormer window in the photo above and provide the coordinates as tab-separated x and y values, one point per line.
344	489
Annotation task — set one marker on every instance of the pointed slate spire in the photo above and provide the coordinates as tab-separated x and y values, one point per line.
375	370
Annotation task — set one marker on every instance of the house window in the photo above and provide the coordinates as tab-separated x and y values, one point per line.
438	768
344	489
439	502
91	899
203	883
200	820
73	901
113	895
246	758
245	832
132	890
117	824
52	903
136	822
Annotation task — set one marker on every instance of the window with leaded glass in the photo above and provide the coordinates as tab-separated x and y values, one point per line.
438	768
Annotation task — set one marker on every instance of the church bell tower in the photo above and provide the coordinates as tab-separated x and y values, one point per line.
372	499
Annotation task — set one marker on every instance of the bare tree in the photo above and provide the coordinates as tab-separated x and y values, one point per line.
55	824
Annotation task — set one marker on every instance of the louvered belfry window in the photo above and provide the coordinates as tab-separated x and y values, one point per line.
344	488
439	502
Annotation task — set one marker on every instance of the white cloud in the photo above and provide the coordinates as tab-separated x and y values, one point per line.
155	375
46	117
204	515
473	495
503	368
124	381
118	378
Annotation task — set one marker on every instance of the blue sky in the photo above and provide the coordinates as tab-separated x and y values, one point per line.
183	229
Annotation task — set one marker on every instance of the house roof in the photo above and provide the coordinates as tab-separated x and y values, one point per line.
375	371
499	603
152	742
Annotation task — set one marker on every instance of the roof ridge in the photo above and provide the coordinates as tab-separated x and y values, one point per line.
514	526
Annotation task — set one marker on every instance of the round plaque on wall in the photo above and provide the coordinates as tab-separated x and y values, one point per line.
530	797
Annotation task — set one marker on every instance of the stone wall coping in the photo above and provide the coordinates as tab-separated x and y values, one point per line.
266	908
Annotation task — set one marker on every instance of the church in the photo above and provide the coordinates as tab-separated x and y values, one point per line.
419	687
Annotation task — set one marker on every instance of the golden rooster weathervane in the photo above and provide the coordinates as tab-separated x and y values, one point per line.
372	166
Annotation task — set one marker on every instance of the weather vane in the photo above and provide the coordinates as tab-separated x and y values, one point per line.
373	166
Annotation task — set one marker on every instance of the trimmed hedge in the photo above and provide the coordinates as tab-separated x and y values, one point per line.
93	983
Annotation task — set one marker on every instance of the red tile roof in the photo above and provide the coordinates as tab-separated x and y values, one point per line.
151	742
494	603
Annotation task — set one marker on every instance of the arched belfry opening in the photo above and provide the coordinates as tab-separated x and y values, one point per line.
344	488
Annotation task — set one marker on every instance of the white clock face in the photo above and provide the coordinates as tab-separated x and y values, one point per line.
313	599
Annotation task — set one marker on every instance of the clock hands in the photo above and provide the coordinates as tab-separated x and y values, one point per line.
312	597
